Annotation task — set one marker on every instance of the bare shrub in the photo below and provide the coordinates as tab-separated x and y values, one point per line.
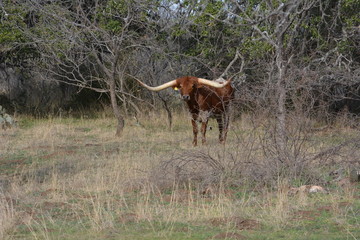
312	139
232	165
252	156
188	166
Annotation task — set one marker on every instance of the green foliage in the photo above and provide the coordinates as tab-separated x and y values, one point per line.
114	26
11	20
26	123
110	17
14	47
178	31
255	49
211	10
350	12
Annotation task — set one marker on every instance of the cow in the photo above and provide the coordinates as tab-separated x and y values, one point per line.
204	99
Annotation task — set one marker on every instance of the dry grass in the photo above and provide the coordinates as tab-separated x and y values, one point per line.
72	178
8	216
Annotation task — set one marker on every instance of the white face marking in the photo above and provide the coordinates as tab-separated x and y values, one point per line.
204	115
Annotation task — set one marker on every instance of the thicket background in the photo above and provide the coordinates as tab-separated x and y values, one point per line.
61	55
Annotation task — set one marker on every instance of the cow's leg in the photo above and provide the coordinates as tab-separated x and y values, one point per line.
195	128
203	130
204	118
220	121
226	118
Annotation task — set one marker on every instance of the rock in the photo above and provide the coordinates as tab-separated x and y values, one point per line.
355	175
317	189
307	189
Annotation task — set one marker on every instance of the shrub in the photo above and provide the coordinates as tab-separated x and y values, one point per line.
6	121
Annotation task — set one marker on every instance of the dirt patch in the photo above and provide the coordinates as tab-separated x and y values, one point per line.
83	196
306	215
9	200
238	222
324	208
127	218
92	145
82	129
312	214
52	205
179	196
4	185
228	235
20	161
344	204
59	153
29	211
329	208
213	191
49	191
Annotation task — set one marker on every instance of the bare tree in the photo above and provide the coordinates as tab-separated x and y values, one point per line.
89	44
276	24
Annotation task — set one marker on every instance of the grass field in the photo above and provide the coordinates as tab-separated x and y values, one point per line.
73	179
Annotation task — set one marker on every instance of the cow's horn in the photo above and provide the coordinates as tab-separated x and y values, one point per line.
160	87
212	83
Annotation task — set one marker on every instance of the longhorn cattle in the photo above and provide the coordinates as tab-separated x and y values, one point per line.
204	99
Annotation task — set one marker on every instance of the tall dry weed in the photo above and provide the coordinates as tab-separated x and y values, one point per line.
8	216
276	206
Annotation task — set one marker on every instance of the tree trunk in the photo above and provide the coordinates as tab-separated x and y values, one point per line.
116	110
281	135
168	111
281	112
123	96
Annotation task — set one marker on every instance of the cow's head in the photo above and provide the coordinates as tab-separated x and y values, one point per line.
186	85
